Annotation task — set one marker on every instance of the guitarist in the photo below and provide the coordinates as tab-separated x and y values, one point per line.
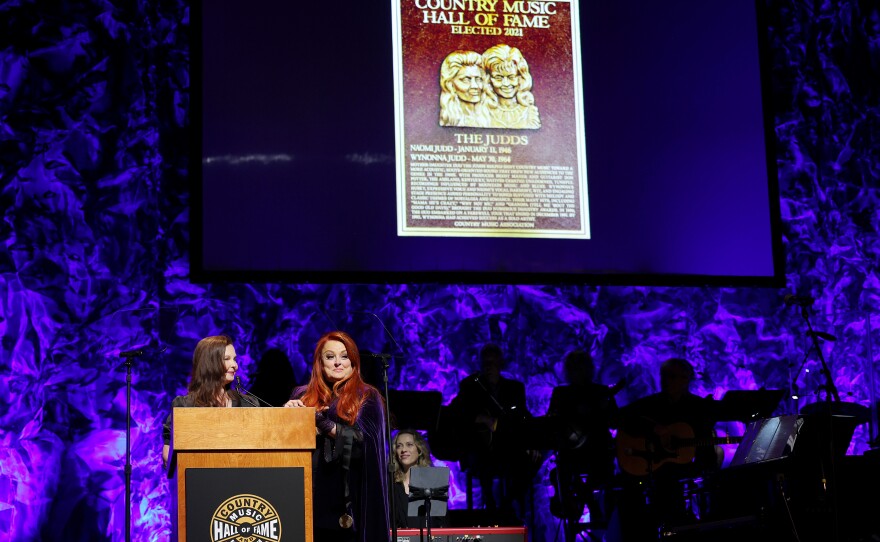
650	418
584	411
488	410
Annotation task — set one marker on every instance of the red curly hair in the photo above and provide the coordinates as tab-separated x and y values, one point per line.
352	391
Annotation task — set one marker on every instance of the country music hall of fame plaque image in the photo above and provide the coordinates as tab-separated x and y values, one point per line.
489	90
489	119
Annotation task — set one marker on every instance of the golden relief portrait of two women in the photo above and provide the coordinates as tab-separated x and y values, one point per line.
488	90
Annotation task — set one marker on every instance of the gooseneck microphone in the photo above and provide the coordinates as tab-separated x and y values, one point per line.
241	390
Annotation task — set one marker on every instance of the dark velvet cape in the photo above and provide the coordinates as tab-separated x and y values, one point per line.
368	482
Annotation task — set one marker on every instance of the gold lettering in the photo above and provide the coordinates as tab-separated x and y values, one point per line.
444	17
524	21
461	5
534	7
475	30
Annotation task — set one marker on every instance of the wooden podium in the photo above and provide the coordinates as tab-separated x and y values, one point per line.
239	438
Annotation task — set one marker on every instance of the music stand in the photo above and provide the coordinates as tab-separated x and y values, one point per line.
830	423
766	440
428	495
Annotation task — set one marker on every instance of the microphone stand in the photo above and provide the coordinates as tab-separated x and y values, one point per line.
129	360
795	390
428	495
830	388
384	358
832	396
393	506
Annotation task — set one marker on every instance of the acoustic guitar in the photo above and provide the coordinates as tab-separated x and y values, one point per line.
641	455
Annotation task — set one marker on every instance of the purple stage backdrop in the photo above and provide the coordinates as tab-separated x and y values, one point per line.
94	139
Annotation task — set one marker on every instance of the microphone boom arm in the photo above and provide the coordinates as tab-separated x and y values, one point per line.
830	388
244	392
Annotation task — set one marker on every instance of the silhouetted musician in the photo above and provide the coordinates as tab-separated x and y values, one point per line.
583	411
487	410
663	438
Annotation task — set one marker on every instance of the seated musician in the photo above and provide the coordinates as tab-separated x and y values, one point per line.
488	408
408	450
650	447
584	457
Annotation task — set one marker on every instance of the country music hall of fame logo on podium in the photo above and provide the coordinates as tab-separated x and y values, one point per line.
246	504
245	518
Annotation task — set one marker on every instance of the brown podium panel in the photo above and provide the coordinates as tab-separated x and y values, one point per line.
240	438
243	429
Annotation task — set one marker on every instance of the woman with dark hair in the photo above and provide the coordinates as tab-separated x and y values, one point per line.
349	468
408	450
213	370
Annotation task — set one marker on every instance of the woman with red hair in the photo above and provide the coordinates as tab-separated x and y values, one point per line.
349	468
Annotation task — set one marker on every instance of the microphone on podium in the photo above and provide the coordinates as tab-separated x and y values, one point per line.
243	392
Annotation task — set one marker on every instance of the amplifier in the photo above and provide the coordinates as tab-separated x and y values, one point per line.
466	534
